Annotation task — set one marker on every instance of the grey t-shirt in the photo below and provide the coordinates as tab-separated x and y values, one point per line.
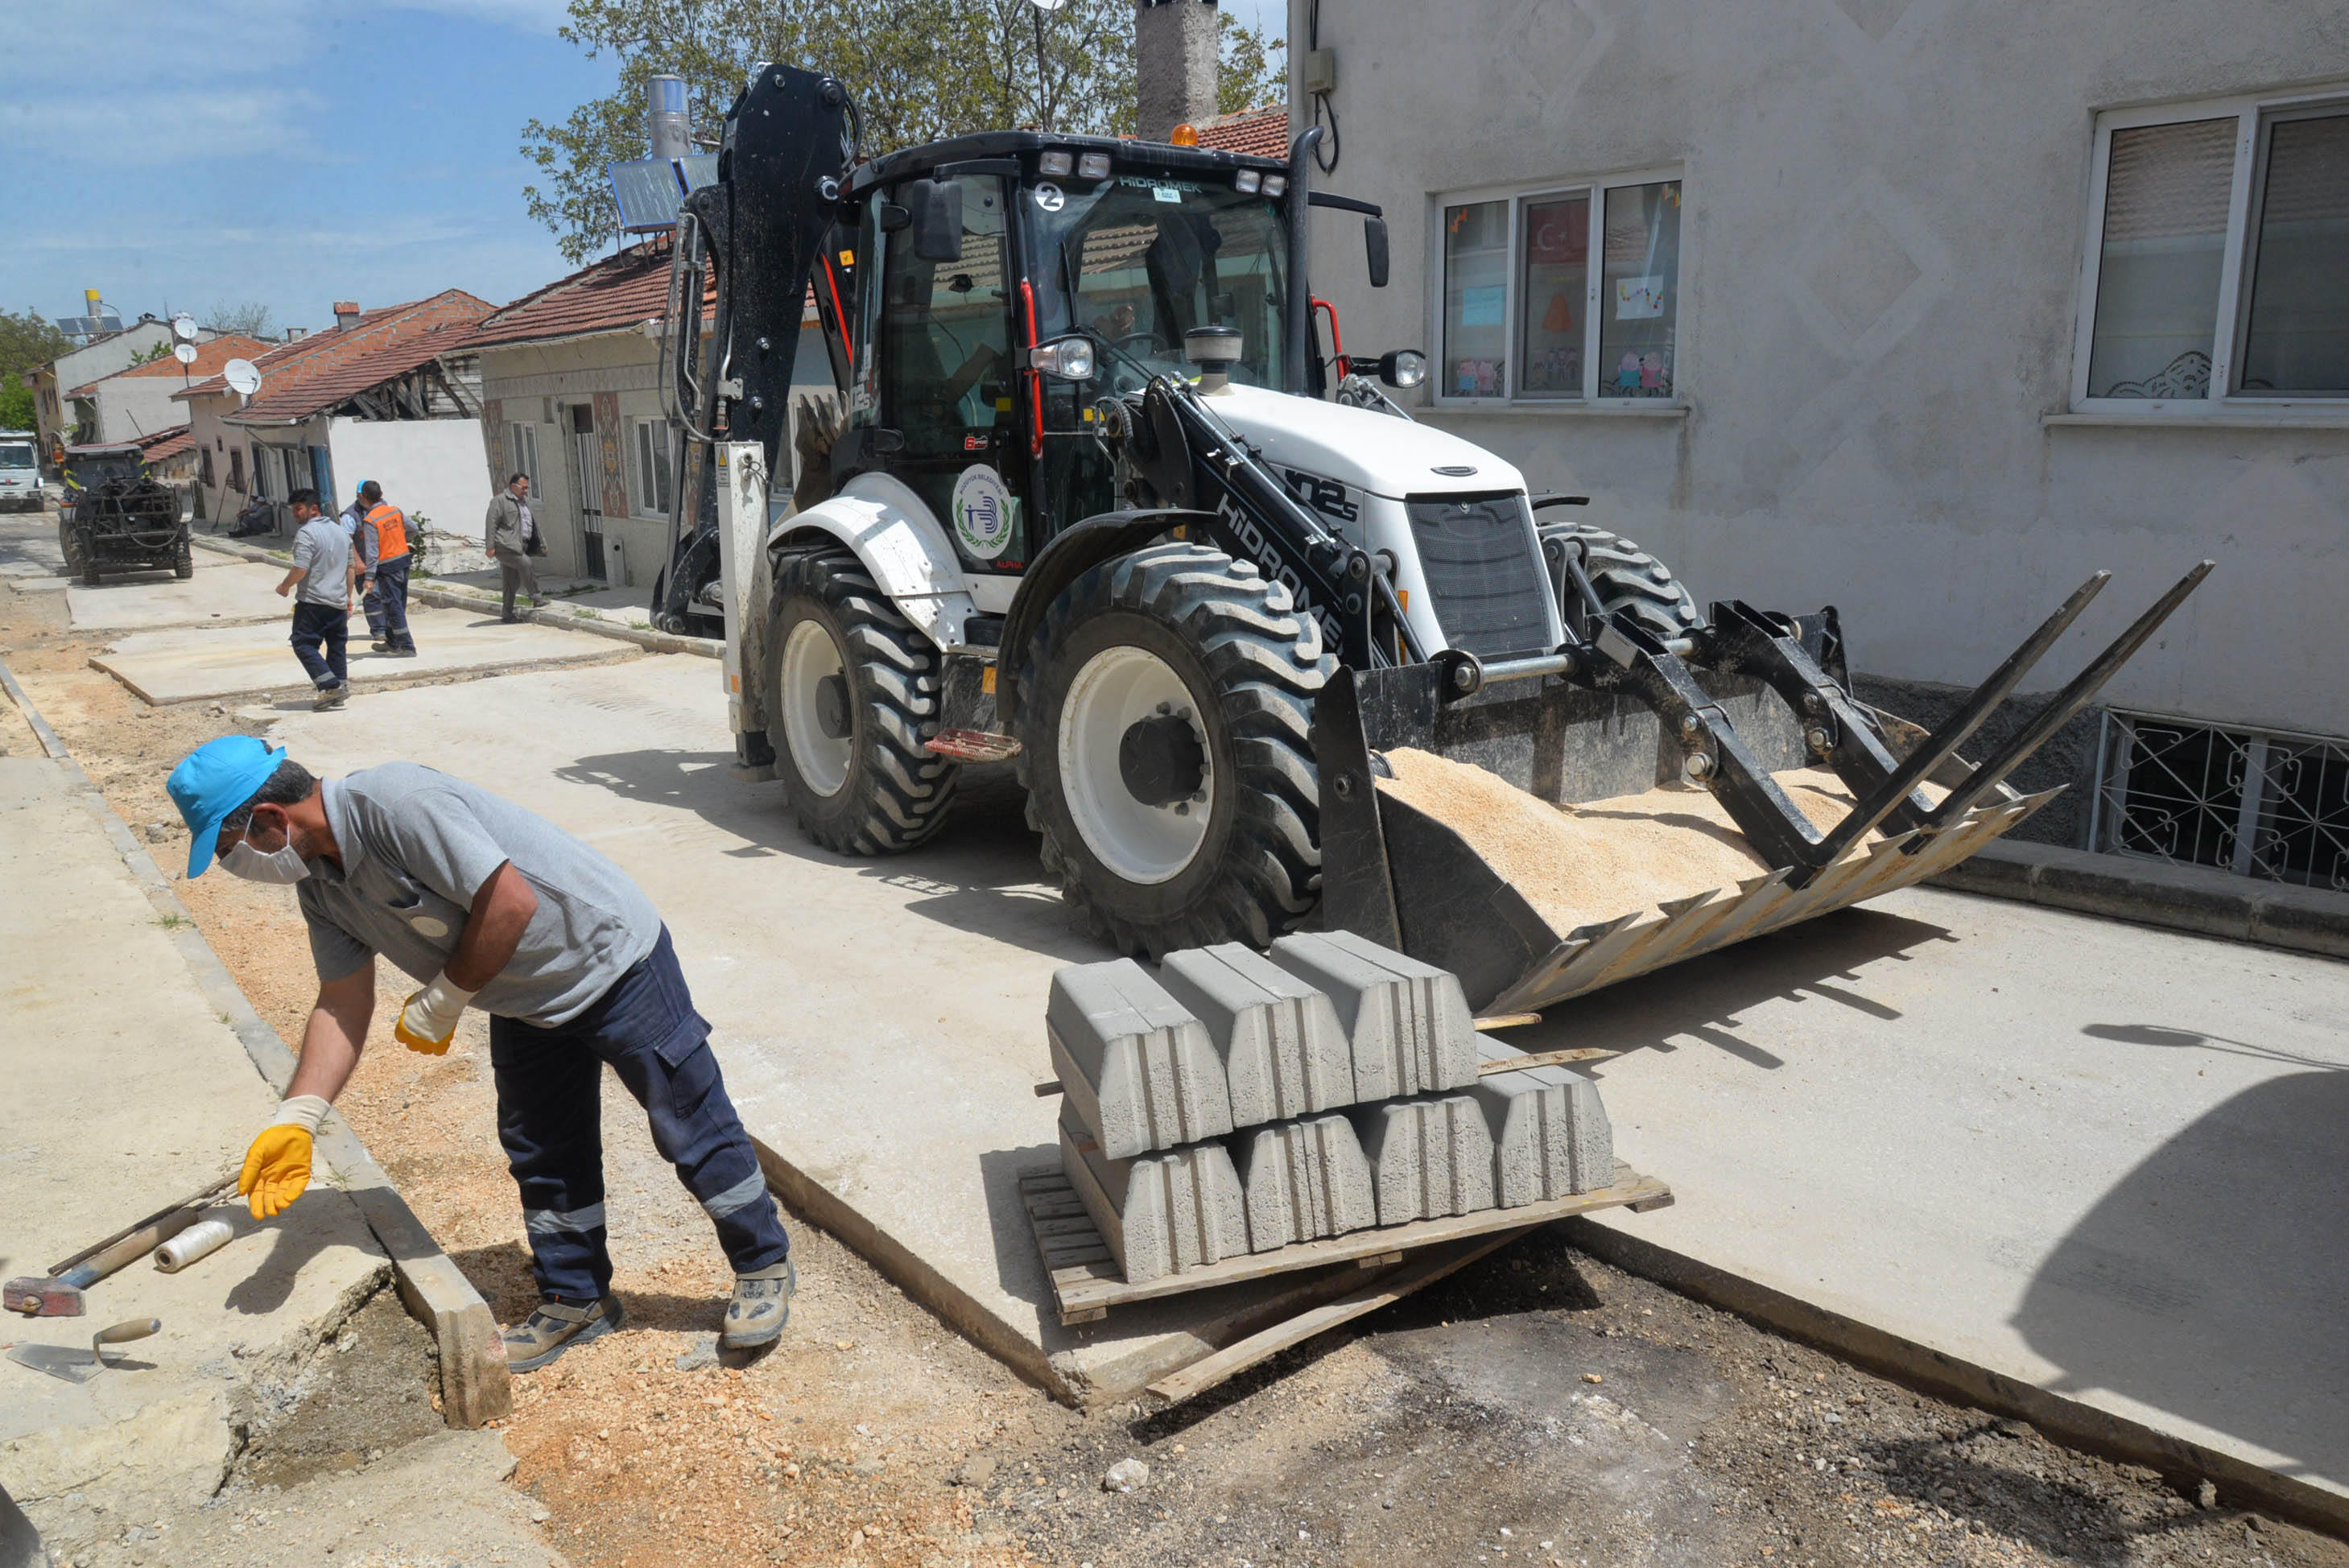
417	845
323	550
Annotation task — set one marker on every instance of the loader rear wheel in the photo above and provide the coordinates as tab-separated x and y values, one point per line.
1166	705
1626	576
852	696
183	560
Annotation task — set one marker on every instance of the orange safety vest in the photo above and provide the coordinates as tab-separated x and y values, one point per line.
390	525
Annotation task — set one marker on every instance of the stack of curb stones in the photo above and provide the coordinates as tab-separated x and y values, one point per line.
1240	1102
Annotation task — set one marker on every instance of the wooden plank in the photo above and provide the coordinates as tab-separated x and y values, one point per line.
1629	1189
1507	1021
1543	1059
1236	1358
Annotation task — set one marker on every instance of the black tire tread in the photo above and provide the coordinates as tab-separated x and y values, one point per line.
904	790
1269	665
1627	578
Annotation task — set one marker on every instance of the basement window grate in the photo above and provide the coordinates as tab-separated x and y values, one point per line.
2259	803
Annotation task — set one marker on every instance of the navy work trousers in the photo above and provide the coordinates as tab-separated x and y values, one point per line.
390	590
550	1119
321	641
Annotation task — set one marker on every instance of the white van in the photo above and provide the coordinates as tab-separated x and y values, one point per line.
20	471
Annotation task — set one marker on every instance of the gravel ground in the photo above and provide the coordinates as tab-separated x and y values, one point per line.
1538	1406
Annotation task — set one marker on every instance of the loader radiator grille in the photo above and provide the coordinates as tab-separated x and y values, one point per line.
1484	572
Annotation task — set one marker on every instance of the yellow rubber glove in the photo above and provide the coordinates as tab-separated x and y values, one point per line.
428	1020
278	1166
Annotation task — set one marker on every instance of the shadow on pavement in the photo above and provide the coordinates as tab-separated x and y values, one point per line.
1704	997
2207	1283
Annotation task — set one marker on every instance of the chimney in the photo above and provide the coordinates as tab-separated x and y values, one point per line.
346	314
668	124
296	334
1174	57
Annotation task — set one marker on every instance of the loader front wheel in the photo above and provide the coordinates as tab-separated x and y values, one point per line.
1626	577
1166	705
852	697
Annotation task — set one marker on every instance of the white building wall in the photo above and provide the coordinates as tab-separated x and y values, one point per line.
129	407
1885	207
430	469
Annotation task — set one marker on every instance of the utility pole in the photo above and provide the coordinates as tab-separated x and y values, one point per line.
1043	80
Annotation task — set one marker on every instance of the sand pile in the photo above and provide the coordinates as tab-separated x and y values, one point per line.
1579	865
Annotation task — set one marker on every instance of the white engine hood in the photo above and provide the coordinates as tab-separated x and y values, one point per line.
1359	449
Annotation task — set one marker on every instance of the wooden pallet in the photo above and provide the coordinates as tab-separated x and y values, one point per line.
1087	1281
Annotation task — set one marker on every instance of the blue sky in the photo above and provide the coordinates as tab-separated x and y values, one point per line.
292	151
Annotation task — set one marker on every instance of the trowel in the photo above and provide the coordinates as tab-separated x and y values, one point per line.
69	1361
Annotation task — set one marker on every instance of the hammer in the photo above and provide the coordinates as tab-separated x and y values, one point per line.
59	1293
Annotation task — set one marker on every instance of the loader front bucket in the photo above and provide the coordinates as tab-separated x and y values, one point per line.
1541	838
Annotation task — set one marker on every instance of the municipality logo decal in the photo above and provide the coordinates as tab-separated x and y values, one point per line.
982	512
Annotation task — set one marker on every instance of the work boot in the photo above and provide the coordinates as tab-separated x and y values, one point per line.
381	645
762	1305
405	652
556	1327
330	696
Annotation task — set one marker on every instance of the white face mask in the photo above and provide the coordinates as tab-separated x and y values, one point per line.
281	865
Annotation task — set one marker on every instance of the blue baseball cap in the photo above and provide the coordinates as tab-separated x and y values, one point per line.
215	780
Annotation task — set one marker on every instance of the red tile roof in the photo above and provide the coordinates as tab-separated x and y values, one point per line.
165	445
618	293
1262	132
209	357
308	376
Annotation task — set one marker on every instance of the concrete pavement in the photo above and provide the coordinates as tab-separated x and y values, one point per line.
222	593
185	664
31	562
2084	1154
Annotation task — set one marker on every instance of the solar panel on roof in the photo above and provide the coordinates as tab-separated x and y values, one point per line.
647	191
697	171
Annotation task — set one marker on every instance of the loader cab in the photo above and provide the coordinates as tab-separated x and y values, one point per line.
969	254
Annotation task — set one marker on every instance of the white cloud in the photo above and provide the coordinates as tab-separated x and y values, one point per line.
170	125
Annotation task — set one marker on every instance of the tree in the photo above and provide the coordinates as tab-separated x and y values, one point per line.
918	70
248	317
27	339
1253	71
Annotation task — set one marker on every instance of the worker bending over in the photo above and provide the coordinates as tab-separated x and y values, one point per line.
493	906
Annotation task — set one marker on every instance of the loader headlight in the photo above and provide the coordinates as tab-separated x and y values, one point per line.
1093	166
1070	358
1402	367
1274	184
1247	179
1055	165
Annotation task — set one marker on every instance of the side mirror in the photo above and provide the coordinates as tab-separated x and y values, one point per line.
1374	246
935	206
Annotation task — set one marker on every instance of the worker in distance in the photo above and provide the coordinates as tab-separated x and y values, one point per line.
489	905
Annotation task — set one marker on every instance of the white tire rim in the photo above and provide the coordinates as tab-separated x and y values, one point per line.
1141	844
811	656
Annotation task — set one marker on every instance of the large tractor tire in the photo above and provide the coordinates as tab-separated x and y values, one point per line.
1626	577
1164	711
183	560
852	696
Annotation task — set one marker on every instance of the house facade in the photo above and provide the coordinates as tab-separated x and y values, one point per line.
1923	312
136	404
570	395
389	395
62	416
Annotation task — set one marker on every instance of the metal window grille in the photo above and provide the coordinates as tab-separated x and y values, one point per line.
2259	803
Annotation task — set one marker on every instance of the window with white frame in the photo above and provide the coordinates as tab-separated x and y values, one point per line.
1560	294
652	467
2217	267
522	452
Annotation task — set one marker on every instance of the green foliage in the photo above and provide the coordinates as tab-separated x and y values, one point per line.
27	339
1253	72
149	356
15	405
919	70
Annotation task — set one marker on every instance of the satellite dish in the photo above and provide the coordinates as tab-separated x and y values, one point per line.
183	325
184	353
241	375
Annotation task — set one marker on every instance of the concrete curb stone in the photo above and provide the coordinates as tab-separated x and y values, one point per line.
1551	1137
1408	1022
2198	899
1139	1071
1304	1179
1161	1212
1284	1053
475	1386
1430	1155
